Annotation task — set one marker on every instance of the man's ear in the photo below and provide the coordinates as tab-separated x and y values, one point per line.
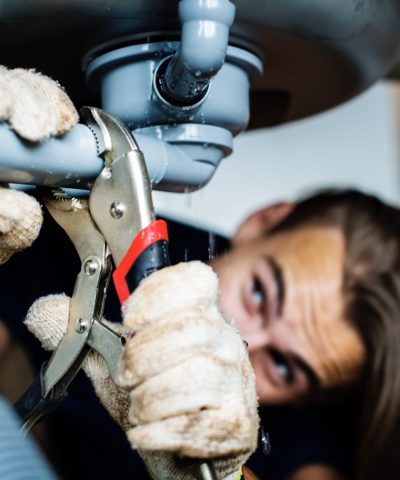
261	222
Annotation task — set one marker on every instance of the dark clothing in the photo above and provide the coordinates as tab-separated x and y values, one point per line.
300	436
87	441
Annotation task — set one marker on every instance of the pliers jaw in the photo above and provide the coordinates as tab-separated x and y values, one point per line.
112	136
121	204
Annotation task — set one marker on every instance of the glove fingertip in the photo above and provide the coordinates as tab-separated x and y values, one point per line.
180	287
67	115
47	319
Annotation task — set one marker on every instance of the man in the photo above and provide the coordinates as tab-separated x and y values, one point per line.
315	291
293	282
162	415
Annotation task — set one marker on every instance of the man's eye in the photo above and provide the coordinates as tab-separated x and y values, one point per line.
282	367
258	294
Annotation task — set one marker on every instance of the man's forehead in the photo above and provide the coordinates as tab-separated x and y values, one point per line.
312	260
307	238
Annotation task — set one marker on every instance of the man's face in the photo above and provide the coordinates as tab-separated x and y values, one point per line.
284	292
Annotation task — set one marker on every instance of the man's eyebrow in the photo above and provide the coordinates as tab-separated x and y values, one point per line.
279	281
309	372
277	273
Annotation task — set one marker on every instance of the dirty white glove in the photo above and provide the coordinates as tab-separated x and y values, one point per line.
20	222
35	107
192	388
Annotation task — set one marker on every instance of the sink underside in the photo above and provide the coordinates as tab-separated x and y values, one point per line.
316	54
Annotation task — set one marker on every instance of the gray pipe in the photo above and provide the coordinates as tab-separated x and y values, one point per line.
179	168
68	161
72	161
185	77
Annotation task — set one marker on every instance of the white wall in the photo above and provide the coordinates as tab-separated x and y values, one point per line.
355	144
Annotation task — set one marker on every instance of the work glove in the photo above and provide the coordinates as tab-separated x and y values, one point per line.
186	386
36	108
20	222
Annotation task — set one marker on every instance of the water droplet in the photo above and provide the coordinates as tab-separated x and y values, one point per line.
186	255
212	246
266	445
188	198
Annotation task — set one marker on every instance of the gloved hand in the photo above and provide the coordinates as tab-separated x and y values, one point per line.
20	222
35	107
187	386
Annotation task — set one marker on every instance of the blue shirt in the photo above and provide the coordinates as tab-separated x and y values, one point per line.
19	457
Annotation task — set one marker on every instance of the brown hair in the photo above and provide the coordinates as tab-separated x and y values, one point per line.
371	286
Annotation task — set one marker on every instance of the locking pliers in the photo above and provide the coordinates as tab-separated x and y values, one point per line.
114	232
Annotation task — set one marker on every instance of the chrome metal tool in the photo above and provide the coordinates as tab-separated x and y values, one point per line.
114	232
